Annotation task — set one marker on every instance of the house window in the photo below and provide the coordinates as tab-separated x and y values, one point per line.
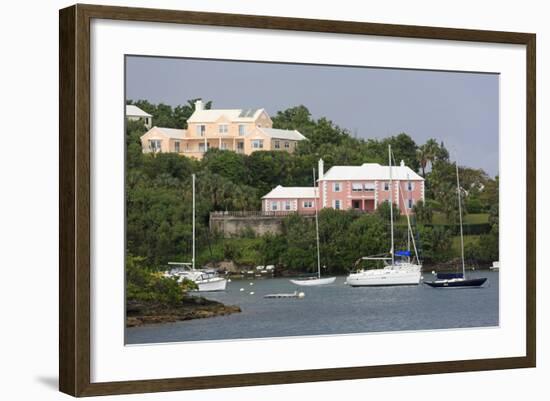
224	146
154	145
410	203
277	144
410	186
369	187
177	146
202	148
287	145
201	130
258	144
356	187
386	186
287	205
240	145
337	204
242	131
274	206
336	187
223	128
308	204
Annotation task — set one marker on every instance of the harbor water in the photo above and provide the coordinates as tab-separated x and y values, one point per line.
332	309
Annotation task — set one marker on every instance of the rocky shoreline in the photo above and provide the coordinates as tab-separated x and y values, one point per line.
139	313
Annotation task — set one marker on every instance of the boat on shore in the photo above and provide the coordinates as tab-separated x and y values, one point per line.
459	279
405	271
315	280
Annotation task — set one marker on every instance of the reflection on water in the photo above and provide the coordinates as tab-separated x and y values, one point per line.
333	309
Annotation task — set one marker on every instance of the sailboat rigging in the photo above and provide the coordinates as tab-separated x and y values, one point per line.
402	272
314	281
447	280
206	279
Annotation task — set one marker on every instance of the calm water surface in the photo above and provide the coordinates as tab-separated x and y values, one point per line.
333	309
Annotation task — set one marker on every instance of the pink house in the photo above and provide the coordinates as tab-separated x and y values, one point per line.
361	188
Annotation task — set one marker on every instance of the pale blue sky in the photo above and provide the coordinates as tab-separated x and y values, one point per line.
460	109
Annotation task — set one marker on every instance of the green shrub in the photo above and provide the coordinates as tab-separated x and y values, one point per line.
423	212
142	284
383	211
473	205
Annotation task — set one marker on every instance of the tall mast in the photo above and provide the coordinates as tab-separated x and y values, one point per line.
317	226
193	260
408	221
410	235
391	207
460	217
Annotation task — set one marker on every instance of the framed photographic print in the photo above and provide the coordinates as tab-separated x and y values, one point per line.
279	200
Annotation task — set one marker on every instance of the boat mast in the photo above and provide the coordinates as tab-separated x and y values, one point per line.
410	235
315	189
193	260
391	207
408	222
460	218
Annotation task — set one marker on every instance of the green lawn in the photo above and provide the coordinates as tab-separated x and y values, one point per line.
439	218
479	218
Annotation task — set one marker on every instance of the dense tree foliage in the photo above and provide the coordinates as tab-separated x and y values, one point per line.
159	212
143	284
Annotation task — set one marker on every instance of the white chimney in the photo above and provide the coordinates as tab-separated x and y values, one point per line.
321	169
402	163
199	105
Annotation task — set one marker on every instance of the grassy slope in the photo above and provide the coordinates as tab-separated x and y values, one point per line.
479	218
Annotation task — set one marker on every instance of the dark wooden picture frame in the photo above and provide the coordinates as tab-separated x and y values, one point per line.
74	203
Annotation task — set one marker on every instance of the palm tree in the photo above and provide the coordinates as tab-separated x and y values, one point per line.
430	152
421	158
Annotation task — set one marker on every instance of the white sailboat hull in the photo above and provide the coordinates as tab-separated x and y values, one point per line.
314	281
389	276
211	284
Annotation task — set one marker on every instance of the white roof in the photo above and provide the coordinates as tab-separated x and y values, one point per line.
291	192
234	115
370	171
283	134
173	133
134	111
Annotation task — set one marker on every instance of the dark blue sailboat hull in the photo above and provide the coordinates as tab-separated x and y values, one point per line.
474	282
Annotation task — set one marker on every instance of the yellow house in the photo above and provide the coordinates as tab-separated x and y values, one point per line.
239	130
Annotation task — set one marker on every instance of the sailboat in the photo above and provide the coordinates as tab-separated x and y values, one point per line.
457	280
315	280
206	279
399	272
